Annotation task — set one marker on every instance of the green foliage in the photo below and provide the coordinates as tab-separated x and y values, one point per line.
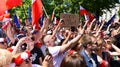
21	11
65	6
119	13
72	6
96	6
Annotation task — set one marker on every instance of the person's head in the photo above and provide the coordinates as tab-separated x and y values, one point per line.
106	34
34	34
78	47
5	58
49	40
100	45
86	41
73	60
3	43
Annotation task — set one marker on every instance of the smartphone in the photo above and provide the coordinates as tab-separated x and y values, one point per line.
47	52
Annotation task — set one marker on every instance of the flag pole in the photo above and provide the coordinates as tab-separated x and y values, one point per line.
45	12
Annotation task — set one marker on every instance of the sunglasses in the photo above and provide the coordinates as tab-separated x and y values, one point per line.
2	42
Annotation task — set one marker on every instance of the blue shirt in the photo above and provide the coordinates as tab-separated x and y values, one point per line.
88	59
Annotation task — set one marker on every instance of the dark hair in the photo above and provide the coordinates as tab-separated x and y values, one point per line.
73	28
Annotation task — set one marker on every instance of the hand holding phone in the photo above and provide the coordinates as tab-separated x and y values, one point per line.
47	52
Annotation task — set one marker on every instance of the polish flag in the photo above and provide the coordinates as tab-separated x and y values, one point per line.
8	4
55	21
36	12
86	14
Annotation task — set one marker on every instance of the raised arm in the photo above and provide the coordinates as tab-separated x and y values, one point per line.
19	43
89	28
97	32
67	38
56	29
71	43
108	28
116	48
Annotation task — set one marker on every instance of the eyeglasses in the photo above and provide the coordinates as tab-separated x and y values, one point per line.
2	42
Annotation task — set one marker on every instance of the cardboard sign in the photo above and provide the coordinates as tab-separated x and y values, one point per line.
70	20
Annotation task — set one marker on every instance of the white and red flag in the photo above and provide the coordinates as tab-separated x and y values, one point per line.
87	15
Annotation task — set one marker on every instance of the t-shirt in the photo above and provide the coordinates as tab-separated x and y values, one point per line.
35	65
36	53
43	48
57	58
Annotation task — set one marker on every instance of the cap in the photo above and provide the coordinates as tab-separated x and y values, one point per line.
2	39
34	31
20	36
106	32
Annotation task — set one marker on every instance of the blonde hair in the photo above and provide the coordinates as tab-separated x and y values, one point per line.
5	57
101	42
85	40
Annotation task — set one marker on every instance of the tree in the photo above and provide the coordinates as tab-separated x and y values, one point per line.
119	12
97	6
21	11
66	6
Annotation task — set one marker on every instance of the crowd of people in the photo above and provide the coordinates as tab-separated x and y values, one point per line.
90	44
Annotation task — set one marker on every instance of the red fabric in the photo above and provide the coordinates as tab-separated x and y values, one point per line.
2	7
39	44
4	16
28	52
36	12
103	64
4	27
8	4
71	52
13	3
18	60
1	17
10	49
85	12
101	34
56	21
7	15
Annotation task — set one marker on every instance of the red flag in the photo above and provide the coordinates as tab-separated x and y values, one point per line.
55	21
36	12
8	4
85	12
2	7
7	15
12	3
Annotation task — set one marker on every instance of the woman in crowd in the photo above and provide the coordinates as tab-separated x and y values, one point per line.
73	59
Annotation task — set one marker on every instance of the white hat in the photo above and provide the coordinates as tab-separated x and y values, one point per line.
106	32
2	39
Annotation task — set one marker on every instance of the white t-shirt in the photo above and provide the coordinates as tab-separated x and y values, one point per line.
43	48
57	58
36	65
